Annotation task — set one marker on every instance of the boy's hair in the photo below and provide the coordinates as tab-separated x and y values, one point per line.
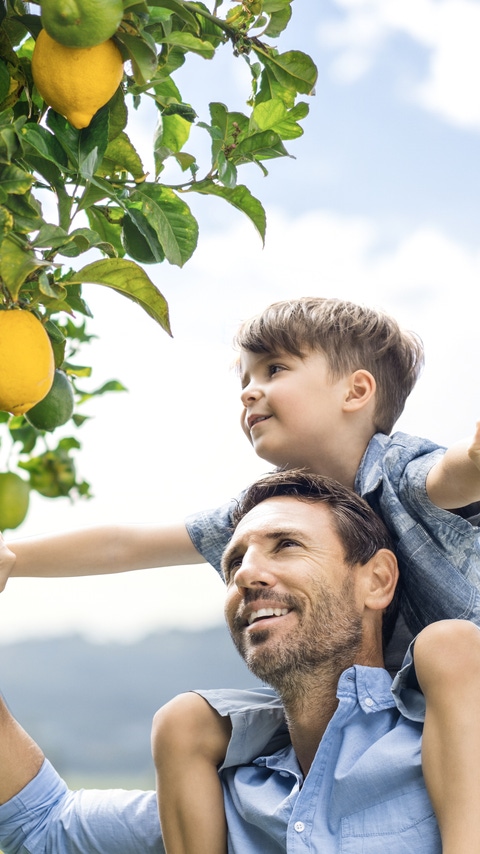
351	337
361	532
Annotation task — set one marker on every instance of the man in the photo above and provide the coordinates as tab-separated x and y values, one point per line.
310	577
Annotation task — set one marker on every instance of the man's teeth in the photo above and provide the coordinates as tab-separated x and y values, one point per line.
266	612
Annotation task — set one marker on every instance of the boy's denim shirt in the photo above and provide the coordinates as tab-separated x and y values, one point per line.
438	551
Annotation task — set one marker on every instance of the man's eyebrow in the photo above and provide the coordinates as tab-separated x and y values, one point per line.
276	534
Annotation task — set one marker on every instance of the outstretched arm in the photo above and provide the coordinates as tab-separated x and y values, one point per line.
97	551
455	480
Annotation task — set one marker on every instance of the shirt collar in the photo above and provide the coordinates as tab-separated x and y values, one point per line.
371	685
370	472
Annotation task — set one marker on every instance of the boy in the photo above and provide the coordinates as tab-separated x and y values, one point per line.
323	383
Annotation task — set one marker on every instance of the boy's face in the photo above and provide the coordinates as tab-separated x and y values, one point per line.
292	408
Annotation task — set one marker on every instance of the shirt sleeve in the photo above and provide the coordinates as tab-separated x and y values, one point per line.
258	722
210	532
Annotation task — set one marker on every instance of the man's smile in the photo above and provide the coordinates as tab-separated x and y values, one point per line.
263	613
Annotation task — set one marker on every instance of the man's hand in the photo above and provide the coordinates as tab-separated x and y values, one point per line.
474	448
7	562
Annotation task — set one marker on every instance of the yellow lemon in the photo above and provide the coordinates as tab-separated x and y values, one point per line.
27	364
76	81
81	23
14	500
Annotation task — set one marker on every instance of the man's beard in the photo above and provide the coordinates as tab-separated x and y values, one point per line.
328	638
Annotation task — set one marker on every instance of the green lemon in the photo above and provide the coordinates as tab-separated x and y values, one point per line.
81	23
56	407
14	499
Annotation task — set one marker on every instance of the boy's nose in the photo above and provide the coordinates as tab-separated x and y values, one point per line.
250	393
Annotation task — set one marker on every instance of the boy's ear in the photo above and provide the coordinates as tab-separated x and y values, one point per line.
361	390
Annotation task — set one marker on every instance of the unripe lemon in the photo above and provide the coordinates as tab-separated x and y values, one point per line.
81	23
56	407
76	82
14	500
27	363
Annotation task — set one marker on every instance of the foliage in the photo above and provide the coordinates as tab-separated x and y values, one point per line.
104	201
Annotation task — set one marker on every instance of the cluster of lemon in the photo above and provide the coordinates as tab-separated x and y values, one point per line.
30	386
76	66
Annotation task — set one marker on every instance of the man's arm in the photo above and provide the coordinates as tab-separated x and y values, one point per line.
97	551
454	481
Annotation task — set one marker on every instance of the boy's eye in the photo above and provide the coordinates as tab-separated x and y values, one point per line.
275	369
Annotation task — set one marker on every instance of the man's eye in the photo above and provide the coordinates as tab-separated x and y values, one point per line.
231	568
287	544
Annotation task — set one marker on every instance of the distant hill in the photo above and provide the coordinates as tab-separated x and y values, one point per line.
90	706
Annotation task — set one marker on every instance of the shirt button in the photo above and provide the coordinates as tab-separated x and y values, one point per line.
369	701
299	826
284	774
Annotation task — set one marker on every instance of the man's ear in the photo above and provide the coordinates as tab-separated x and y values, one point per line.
381	580
361	389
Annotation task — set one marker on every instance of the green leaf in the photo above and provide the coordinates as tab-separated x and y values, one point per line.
15	180
172	133
280	12
16	263
66	134
109	232
121	155
189	42
45	143
140	240
274	115
26	212
93	141
142	55
4	81
171	219
129	279
179	10
294	69
240	197
260	146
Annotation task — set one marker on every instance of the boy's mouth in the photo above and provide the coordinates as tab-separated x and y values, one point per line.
255	419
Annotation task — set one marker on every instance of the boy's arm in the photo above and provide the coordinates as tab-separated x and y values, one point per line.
454	481
97	551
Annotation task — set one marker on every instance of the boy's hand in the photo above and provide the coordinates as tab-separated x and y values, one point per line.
7	562
474	448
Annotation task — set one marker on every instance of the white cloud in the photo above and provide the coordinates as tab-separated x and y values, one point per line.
446	29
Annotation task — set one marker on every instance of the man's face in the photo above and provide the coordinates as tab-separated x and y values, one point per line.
291	407
292	602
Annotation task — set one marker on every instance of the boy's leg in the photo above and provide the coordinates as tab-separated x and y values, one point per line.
189	741
447	665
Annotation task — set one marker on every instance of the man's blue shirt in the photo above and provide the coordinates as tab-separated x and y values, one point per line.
364	793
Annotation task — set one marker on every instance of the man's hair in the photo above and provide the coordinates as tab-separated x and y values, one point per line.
351	337
361	532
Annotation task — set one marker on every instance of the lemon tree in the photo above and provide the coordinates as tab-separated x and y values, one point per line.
72	73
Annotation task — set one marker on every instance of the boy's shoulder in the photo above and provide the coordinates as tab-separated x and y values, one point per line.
387	457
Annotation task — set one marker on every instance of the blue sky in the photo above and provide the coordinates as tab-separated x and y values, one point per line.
380	205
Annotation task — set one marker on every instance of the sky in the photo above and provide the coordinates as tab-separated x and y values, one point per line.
379	203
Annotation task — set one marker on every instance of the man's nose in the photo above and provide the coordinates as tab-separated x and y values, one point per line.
255	571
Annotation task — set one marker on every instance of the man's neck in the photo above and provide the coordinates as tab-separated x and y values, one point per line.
310	706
